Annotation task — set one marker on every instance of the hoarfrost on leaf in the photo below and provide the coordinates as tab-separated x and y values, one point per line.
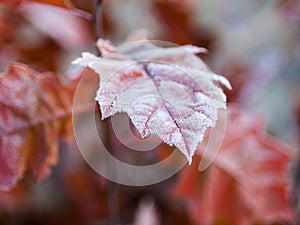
169	92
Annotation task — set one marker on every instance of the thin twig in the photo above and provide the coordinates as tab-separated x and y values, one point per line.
112	187
98	22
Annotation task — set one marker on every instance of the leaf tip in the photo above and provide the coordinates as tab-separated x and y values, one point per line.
189	158
223	81
195	49
85	60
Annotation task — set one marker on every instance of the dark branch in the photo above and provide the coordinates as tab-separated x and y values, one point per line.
98	18
112	188
98	15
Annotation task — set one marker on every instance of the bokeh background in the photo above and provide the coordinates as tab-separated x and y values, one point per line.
255	44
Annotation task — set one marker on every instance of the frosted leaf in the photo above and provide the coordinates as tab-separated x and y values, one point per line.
165	91
35	113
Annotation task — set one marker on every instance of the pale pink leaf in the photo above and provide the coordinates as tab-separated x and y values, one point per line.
62	25
165	91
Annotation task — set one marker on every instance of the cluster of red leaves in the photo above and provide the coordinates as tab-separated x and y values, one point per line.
247	181
35	107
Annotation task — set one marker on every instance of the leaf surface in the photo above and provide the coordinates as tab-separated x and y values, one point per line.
35	110
165	91
246	184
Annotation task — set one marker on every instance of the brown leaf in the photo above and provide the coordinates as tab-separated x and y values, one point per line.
246	184
34	113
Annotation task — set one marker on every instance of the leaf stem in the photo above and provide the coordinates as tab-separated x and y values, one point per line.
112	187
98	22
45	119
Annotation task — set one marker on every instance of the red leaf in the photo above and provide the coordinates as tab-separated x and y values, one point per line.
246	184
67	4
165	91
35	110
61	3
70	33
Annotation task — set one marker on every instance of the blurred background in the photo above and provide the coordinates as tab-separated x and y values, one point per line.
255	44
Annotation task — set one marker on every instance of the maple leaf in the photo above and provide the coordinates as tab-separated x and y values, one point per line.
34	112
246	184
165	91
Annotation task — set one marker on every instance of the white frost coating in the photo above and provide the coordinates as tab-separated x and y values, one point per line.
195	49
177	102
223	81
86	60
184	55
147	51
